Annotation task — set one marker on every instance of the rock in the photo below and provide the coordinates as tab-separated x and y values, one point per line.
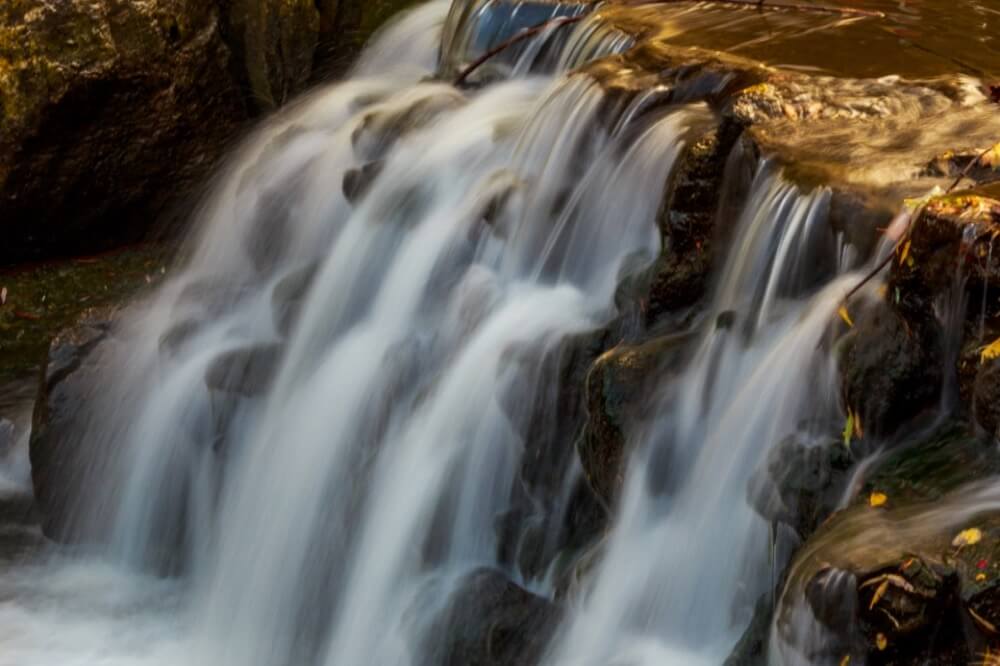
893	365
115	112
60	455
379	130
801	482
289	295
246	372
273	45
491	621
986	397
357	182
617	388
887	582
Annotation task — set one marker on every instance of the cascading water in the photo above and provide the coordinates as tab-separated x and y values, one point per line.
318	422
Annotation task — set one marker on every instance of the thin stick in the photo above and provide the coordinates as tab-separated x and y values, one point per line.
519	37
885	262
762	4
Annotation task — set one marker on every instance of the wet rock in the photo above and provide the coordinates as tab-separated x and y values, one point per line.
893	582
246	372
357	182
801	482
618	387
380	129
751	649
491	621
986	397
289	295
892	367
60	456
177	336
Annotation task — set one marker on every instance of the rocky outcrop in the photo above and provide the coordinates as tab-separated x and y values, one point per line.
114	112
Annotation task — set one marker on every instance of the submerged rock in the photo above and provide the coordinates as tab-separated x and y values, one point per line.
491	621
246	372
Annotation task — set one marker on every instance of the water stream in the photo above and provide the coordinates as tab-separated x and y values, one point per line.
328	515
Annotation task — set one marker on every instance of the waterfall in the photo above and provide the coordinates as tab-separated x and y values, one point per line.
316	425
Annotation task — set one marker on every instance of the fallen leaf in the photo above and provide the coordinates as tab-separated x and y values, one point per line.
22	314
3	296
969	537
849	429
982	564
990	351
879	592
904	252
877	499
881	642
845	315
980	577
991	158
846	660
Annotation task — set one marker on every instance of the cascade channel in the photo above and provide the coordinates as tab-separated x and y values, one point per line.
351	427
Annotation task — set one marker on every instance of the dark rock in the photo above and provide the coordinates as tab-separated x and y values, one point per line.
887	582
177	336
801	482
247	372
751	649
893	366
491	621
986	397
114	112
617	395
357	182
60	455
379	130
289	295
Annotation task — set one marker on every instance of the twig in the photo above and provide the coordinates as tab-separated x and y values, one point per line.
906	236
519	37
763	4
967	169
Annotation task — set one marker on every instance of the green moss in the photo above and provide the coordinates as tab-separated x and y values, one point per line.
43	299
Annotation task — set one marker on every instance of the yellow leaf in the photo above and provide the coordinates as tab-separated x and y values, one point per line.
849	429
904	252
846	660
845	315
980	577
877	499
879	592
990	351
969	537
991	159
881	642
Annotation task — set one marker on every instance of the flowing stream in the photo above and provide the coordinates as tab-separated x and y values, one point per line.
328	515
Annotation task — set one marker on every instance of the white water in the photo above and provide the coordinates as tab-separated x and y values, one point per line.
326	520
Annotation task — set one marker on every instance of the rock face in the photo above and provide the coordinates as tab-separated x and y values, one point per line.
113	112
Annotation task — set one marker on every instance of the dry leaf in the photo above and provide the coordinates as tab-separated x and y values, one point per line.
990	351
877	499
904	252
846	660
3	296
879	592
849	429
969	537
845	315
980	577
881	642
991	158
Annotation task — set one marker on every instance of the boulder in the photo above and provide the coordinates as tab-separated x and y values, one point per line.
491	621
618	394
114	112
246	372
